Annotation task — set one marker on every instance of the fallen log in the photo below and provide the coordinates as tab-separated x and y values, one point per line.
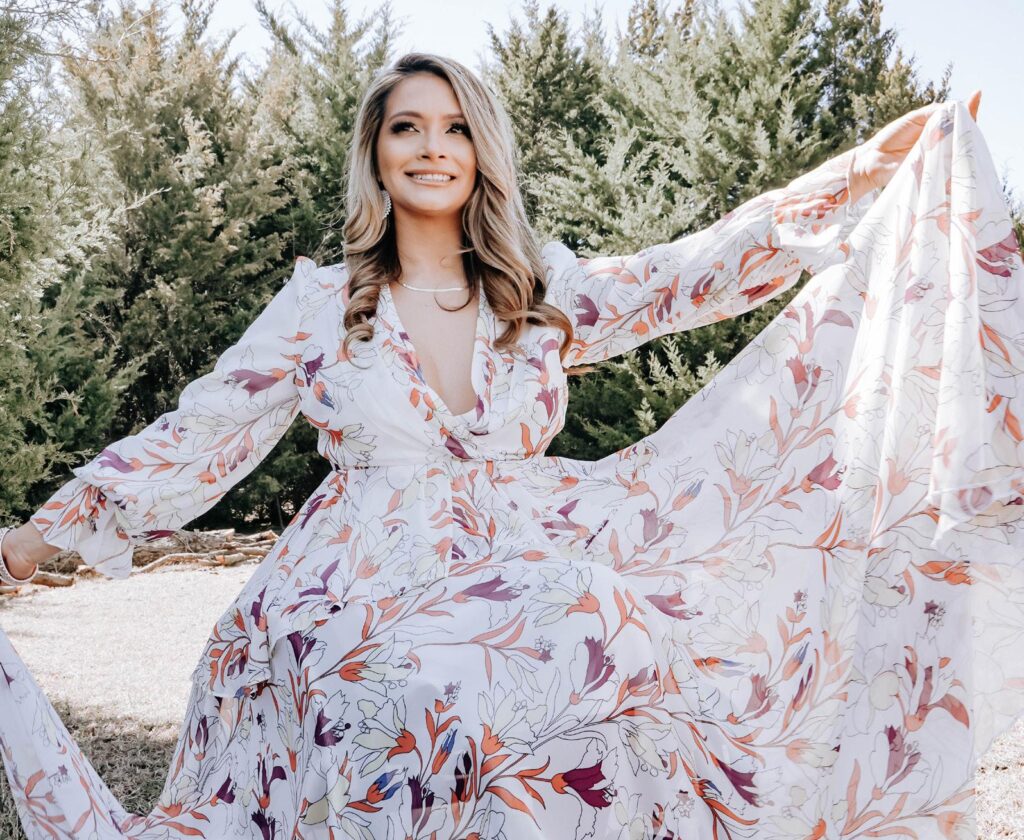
222	547
52	579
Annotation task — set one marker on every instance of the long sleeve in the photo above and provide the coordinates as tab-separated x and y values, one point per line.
149	484
749	256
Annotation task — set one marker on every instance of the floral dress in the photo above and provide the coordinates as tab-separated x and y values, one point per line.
793	611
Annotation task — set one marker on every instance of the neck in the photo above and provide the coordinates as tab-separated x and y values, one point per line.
428	248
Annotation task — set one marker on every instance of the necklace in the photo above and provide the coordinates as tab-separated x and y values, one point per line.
449	289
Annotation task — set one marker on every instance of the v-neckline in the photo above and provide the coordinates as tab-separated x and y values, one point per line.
479	340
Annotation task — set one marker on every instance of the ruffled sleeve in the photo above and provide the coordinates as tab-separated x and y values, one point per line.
749	256
149	484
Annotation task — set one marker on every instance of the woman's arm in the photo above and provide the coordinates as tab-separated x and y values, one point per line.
749	256
151	483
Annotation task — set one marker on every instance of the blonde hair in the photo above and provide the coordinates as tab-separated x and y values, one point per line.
500	251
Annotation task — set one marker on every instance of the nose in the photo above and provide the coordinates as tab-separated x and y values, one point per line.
432	146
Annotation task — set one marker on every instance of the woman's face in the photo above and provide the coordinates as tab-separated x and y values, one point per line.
424	132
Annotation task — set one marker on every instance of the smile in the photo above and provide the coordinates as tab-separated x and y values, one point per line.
432	178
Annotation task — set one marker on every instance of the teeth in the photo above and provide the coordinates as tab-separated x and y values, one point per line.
438	178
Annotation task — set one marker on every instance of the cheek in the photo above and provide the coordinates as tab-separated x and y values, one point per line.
383	155
469	166
390	156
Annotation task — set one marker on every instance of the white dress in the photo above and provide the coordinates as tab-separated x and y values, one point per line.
794	611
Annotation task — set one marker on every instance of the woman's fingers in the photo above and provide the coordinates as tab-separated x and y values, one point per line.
889	146
925	111
973	101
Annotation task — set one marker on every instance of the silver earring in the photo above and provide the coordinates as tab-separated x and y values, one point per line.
387	202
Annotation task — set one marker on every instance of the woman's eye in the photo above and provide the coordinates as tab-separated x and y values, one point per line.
399	127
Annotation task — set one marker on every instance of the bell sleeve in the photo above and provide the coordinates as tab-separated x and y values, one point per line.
150	484
749	256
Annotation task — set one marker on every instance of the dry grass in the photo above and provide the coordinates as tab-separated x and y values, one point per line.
132	758
115	658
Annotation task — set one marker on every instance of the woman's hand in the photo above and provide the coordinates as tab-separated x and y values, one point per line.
24	549
877	159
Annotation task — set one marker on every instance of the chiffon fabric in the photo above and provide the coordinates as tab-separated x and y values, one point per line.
793	611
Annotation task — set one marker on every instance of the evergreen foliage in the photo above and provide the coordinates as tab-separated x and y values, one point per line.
552	88
702	114
305	103
201	247
60	381
307	99
23	230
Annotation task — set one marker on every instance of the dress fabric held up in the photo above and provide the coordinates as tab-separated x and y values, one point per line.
793	611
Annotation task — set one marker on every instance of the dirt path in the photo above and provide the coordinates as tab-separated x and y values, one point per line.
125	650
123	647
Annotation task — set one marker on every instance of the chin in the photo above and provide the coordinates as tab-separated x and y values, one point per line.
439	210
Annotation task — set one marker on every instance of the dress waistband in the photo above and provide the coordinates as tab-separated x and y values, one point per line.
435	462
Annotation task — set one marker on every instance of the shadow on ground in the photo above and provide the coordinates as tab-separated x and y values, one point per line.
131	757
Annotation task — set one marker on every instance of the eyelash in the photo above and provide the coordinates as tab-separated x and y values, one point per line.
398	127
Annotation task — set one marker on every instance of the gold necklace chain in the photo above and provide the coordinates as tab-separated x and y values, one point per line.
449	289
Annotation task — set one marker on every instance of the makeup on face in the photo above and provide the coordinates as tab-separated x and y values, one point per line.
425	153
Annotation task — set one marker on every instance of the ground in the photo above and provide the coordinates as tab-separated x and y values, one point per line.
115	657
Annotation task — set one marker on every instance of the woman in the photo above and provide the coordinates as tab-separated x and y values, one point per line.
450	639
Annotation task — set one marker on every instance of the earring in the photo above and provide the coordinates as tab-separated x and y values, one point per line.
387	202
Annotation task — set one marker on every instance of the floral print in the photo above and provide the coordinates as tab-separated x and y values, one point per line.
793	611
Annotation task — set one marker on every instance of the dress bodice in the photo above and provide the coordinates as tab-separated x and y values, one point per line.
374	406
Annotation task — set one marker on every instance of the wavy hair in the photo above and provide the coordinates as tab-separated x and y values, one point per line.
500	250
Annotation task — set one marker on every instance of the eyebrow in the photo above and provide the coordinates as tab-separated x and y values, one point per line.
418	114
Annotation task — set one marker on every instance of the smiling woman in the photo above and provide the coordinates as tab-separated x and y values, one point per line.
451	240
793	611
427	163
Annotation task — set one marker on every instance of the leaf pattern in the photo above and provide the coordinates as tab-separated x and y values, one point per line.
793	611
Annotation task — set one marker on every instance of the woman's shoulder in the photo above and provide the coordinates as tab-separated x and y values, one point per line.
330	276
560	267
316	286
307	267
555	252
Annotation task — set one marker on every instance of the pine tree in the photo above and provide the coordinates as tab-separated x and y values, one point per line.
866	82
56	362
201	250
712	119
22	221
308	96
199	245
702	115
551	81
304	105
